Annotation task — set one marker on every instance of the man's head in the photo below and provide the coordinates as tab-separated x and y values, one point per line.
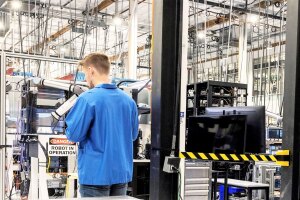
96	67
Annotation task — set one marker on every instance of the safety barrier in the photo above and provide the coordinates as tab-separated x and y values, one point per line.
282	157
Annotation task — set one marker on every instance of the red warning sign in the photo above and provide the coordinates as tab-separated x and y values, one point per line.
60	141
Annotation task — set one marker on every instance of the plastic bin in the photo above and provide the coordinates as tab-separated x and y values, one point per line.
231	190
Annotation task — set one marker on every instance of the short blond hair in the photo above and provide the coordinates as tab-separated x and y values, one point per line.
98	60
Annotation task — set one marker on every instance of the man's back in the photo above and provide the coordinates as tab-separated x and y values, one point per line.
104	122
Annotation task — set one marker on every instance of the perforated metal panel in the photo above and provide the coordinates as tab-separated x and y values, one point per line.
197	180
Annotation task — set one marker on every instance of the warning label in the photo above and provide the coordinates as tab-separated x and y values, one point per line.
61	147
60	141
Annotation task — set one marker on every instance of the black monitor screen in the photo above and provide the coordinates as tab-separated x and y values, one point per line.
256	131
216	134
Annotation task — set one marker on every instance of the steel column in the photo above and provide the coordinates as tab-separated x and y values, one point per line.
290	188
2	125
132	41
167	18
183	89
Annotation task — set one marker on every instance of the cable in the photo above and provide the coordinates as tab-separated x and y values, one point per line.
12	187
179	181
225	101
44	39
45	153
21	42
54	124
230	91
251	2
84	39
195	44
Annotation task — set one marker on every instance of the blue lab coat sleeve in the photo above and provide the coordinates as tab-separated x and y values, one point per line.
79	120
135	122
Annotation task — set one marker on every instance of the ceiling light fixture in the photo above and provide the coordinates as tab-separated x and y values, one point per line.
201	35
63	49
117	21
16	5
253	18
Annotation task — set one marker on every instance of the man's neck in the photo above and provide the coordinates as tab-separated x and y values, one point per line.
101	80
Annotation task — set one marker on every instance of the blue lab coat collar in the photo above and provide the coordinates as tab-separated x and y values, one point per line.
106	86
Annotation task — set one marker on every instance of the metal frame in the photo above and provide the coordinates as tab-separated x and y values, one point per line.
4	55
39	57
290	188
167	20
2	126
244	10
183	90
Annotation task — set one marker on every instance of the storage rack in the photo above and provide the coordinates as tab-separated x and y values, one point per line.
214	94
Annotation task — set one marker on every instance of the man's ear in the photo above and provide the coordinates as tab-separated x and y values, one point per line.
92	69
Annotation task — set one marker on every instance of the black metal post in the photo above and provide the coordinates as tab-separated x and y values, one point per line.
165	82
290	188
226	182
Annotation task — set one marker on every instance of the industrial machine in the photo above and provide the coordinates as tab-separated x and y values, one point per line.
231	130
214	94
43	161
42	157
267	173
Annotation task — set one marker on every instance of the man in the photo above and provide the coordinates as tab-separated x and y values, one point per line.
104	121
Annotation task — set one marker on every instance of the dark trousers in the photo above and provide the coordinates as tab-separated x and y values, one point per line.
103	190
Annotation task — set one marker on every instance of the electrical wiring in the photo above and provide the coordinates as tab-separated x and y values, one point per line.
21	42
179	181
230	91
284	5
54	125
195	47
135	5
225	101
10	192
84	39
222	50
251	2
44	38
229	38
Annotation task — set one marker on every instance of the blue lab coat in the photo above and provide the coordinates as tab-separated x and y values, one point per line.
104	121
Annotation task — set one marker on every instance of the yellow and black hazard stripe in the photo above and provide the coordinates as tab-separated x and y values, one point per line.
281	158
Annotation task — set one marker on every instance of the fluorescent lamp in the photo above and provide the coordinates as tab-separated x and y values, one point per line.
201	35
117	21
16	5
253	18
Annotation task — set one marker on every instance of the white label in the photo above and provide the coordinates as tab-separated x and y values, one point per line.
61	147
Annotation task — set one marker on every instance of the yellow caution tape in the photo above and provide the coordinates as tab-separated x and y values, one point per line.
281	158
